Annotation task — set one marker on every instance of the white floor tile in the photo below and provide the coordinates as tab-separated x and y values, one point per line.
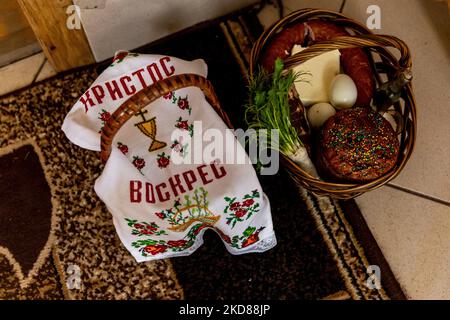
46	72
19	74
413	234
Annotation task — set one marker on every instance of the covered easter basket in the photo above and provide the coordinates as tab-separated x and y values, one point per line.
146	96
385	66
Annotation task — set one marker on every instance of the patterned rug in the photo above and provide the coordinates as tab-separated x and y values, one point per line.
57	239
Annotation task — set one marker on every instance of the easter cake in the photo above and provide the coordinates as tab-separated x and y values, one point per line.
357	145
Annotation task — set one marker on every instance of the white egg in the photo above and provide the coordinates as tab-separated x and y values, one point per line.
319	113
343	92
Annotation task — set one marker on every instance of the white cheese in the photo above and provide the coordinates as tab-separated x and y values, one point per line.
314	87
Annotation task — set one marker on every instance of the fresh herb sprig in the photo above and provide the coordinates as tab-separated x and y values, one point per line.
269	107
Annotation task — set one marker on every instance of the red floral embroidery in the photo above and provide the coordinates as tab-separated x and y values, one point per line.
120	56
183	104
105	116
138	162
248	202
237	211
122	147
183	125
234	206
240	213
200	228
160	215
176	243
155	249
225	238
163	160
168	96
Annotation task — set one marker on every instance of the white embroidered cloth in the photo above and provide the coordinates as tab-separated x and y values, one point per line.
159	185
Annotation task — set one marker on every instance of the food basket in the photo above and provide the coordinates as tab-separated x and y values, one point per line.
385	66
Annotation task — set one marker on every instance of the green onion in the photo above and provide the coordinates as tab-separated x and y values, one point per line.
269	108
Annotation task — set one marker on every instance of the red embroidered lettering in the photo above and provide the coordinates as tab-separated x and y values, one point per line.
163	64
155	69
203	174
135	193
85	99
99	93
162	197
175	185
114	91
216	173
189	178
149	194
138	73
129	90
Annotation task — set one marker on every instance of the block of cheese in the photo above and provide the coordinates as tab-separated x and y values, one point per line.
314	86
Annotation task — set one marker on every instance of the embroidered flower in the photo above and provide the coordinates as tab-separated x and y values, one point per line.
248	202
251	240
183	125
151	227
234	206
138	162
155	249
176	243
168	96
122	147
225	238
104	116
179	147
147	232
163	160
183	103
138	226
199	229
120	56
160	215
240	213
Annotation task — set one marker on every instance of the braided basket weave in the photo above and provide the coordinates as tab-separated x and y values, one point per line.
385	66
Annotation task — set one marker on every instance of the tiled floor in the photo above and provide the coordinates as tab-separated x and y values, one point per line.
24	72
412	225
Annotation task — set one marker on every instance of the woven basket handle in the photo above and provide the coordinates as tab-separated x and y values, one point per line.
146	96
345	42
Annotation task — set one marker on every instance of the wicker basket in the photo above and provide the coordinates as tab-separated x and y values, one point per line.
386	67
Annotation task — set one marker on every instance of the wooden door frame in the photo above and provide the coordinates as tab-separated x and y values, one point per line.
65	48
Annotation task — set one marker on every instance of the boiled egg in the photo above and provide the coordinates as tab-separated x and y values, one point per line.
343	92
319	113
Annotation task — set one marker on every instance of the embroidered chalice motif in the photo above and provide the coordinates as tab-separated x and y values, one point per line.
148	127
